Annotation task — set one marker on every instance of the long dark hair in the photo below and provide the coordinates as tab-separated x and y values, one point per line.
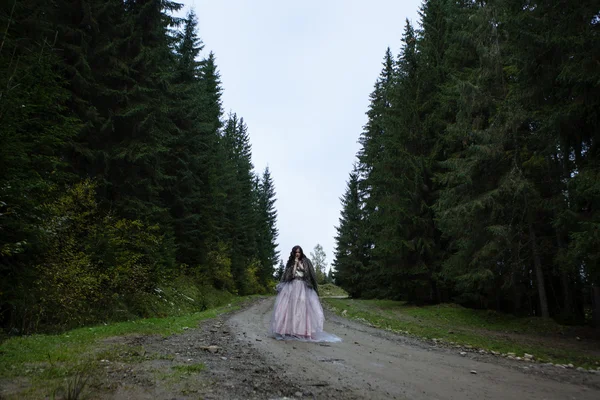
293	255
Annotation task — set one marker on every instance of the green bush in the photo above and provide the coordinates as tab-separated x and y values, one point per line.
251	282
216	271
92	263
93	267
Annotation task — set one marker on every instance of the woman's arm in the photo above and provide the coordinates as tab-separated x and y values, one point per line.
312	276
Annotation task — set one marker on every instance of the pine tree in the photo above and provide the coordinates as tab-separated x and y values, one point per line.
86	33
36	126
240	212
110	90
280	270
469	208
330	277
213	165
404	243
143	130
193	162
350	255
267	229
183	191
553	89
371	168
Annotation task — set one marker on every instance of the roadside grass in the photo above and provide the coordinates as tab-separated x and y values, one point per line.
479	329
189	369
53	361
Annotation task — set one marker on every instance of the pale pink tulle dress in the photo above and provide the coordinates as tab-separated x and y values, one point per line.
298	314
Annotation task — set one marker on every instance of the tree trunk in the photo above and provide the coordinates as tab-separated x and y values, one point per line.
539	273
434	291
596	299
567	295
566	286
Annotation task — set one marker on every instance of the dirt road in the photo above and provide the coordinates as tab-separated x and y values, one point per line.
231	357
373	364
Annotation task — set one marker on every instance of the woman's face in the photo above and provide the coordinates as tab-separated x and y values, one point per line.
298	253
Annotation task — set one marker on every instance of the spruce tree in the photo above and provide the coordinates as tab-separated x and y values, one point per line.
240	213
214	153
267	227
553	88
371	169
142	128
189	193
350	255
36	126
469	209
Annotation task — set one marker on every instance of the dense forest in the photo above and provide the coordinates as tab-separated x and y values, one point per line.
119	172
478	176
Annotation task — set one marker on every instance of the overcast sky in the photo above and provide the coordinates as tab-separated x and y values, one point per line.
300	74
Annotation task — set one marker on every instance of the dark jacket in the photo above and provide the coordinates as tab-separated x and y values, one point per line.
310	277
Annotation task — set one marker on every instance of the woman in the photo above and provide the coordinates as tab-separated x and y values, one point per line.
298	313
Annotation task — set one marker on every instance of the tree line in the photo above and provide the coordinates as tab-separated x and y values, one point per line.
118	169
478	176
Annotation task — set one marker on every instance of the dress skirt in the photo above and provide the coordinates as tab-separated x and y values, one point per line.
298	314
